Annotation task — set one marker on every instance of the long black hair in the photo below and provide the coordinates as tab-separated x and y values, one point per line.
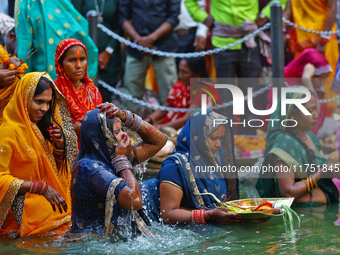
292	131
48	119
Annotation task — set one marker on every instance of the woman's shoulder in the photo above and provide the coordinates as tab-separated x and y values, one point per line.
170	169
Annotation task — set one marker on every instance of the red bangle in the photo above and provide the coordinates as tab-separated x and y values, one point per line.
198	216
38	187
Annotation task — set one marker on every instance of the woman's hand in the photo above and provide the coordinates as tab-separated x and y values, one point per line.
112	110
221	215
103	59
124	146
56	137
7	77
55	198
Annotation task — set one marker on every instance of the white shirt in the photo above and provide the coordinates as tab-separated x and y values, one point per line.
186	21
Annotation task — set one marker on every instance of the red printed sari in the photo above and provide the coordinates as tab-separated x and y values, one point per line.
82	100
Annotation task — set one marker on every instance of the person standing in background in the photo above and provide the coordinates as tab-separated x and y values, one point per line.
192	35
151	26
41	25
109	59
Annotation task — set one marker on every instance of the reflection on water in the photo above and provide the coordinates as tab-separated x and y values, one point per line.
318	234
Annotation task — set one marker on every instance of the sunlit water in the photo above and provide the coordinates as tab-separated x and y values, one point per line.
318	234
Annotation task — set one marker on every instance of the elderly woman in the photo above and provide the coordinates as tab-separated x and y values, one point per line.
299	150
37	147
102	180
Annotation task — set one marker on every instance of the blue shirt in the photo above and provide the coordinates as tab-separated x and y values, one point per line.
148	15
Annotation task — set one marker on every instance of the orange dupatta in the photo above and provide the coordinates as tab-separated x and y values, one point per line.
25	155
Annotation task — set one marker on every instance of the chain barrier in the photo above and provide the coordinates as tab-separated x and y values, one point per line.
124	96
179	55
193	55
310	30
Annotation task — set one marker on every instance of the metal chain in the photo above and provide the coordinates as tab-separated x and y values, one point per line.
166	108
329	100
310	30
179	55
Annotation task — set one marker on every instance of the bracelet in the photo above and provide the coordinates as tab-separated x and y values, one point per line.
129	118
58	152
311	183
121	163
133	121
38	187
198	216
137	122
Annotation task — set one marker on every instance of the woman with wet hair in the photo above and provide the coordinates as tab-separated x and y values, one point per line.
103	182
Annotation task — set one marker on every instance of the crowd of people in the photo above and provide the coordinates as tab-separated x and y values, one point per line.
67	159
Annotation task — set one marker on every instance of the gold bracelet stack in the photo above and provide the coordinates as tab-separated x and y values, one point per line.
311	183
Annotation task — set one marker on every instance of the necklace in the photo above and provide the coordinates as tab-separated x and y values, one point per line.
100	13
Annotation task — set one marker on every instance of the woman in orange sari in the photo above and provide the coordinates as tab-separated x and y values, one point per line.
37	148
73	81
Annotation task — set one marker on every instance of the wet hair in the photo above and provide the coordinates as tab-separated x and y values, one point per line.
292	131
61	59
197	66
48	119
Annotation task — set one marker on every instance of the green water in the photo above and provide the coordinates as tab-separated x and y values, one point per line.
317	234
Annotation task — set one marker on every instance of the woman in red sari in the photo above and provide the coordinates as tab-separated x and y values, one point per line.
73	81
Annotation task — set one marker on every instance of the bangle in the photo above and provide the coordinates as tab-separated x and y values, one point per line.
133	121
137	122
121	163
38	187
129	118
198	216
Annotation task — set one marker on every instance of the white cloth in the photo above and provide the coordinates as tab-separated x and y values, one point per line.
186	21
6	24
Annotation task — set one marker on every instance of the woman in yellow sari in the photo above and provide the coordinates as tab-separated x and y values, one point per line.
37	147
316	15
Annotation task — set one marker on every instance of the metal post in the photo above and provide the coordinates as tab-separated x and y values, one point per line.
277	44
92	18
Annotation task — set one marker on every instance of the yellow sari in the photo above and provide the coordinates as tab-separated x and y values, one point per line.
313	14
26	156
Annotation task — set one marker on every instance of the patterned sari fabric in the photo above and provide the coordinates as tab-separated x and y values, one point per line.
95	186
179	169
79	101
281	146
26	156
41	25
